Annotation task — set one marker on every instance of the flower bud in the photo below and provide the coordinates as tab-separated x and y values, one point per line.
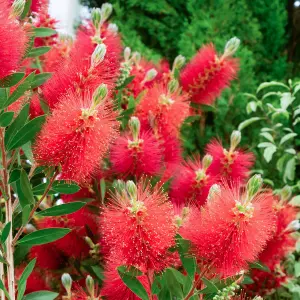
253	185
173	86
231	46
150	75
214	190
136	58
66	281
286	193
127	52
100	94
89	242
293	226
98	55
106	10
113	28
18	7
206	161
235	139
134	126
131	190
178	62
96	17
90	286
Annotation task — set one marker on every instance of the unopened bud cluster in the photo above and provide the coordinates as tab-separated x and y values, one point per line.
227	293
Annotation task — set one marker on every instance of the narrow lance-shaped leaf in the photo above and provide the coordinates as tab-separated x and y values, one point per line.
62	209
11	80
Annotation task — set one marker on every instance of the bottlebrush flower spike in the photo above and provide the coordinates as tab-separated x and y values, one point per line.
39	5
138	226
233	164
232	229
163	110
192	182
77	135
136	153
13	40
208	74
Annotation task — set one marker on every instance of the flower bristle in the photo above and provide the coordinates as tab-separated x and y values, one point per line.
13	39
74	141
231	231
207	75
139	232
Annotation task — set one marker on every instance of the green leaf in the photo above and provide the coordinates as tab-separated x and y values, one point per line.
27	151
267	136
251	107
130	271
210	287
287	137
268	153
25	214
126	82
265	145
65	187
247	280
134	285
188	261
248	122
16	124
259	266
62	209
2	287
5	232
44	31
41	188
173	285
40	79
4	93
250	96
23	279
6	118
178	275
26	189
11	80
41	295
26	133
103	189
2	260
297	269
295	201
43	236
272	83
286	100
290	169
26	9
34	52
20	90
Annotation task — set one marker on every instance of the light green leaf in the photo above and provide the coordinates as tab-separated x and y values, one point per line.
248	122
34	52
291	151
297	269
251	107
271	83
295	201
265	145
287	137
268	153
290	169
40	79
44	31
41	295
267	136
286	100
271	94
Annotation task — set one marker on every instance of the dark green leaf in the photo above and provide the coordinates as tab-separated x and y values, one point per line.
2	287
4	93
34	52
26	133
130	271
41	188
259	266
126	82
27	151
43	236
5	232
134	285
210	287
178	275
2	260
16	124
23	279
65	187
41	295
44	31
25	214
63	209
39	79
20	90
26	189
247	280
174	286
11	80
6	118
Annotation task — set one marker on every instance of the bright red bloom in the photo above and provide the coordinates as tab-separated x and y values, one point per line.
139	158
207	75
191	184
39	5
76	136
231	230
13	40
163	111
76	74
233	165
139	231
47	256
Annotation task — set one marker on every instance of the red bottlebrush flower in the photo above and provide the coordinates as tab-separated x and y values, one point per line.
191	183
35	107
162	110
282	242
136	153
77	73
139	228
39	5
114	288
47	256
77	136
13	40
207	75
233	164
232	229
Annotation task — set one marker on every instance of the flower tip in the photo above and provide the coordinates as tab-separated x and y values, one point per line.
231	46
206	161
113	28
132	190
100	94
18	7
67	281
96	17
178	62
98	55
235	139
106	10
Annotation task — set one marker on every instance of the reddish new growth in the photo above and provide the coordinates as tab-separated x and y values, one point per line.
13	40
138	226
233	164
191	183
208	74
232	229
76	136
136	153
162	110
